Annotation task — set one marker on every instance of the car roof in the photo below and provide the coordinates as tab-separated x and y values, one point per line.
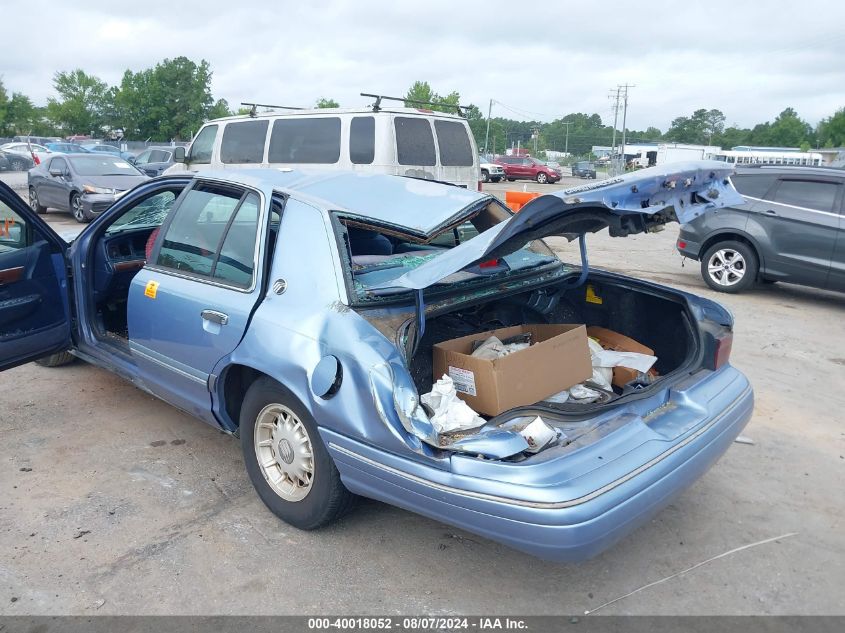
803	170
419	205
335	111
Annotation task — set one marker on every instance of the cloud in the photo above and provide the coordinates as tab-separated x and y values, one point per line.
748	59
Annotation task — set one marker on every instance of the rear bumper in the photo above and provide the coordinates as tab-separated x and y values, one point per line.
568	530
688	245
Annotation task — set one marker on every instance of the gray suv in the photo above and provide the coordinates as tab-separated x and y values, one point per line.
791	228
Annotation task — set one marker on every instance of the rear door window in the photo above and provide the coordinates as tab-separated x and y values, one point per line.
362	140
243	142
414	141
454	145
305	140
753	185
200	151
810	194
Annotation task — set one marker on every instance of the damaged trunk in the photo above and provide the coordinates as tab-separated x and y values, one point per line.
655	318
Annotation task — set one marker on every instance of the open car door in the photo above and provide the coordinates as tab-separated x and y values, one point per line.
34	299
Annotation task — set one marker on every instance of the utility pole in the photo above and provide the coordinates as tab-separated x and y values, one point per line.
487	133
566	148
615	120
625	117
535	134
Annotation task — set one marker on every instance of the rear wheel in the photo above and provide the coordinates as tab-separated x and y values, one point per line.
542	178
34	204
17	164
56	360
729	266
287	461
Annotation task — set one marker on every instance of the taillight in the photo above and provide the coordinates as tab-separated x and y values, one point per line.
722	353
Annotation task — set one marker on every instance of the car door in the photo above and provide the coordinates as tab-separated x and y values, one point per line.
802	222
190	305
836	279
52	190
34	312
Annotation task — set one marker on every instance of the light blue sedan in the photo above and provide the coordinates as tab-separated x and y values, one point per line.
298	309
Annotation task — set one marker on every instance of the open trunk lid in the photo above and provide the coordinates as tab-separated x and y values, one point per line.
629	204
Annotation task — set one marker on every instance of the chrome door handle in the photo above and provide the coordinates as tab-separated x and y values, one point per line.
215	317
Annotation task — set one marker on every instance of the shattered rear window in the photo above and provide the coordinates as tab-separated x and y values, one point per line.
377	256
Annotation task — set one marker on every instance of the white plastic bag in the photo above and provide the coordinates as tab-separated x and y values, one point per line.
450	412
538	434
493	348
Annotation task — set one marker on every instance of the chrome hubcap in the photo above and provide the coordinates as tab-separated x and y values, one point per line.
726	267
33	200
284	452
77	207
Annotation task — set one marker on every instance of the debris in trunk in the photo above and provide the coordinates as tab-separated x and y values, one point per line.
493	348
450	412
539	435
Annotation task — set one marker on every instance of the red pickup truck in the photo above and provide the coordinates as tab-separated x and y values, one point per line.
527	168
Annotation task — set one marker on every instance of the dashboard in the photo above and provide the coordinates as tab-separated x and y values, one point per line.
117	258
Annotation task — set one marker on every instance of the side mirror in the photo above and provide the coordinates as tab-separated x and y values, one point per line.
55	171
179	154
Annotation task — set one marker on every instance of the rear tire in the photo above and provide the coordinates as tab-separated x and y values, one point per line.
729	266
16	164
296	477
56	360
34	204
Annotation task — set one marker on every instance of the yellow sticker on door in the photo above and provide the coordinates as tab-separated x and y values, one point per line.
151	289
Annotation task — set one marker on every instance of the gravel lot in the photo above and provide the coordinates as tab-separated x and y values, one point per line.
115	503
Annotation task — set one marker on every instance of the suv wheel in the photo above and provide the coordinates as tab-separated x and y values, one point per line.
542	178
729	266
485	175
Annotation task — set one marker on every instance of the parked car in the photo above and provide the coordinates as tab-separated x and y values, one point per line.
491	171
38	153
154	160
412	142
66	148
12	161
341	263
790	228
84	184
527	168
584	169
103	148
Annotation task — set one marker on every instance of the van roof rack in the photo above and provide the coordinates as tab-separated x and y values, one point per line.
377	105
253	112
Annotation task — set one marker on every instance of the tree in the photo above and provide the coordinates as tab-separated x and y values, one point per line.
169	101
421	91
4	100
79	109
831	131
323	102
788	130
22	117
700	128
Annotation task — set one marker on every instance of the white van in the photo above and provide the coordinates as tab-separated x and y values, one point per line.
399	141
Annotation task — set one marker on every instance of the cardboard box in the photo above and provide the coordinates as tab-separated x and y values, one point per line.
617	342
558	358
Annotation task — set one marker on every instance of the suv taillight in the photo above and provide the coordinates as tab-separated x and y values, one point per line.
722	351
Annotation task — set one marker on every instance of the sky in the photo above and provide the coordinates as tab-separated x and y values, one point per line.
538	61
